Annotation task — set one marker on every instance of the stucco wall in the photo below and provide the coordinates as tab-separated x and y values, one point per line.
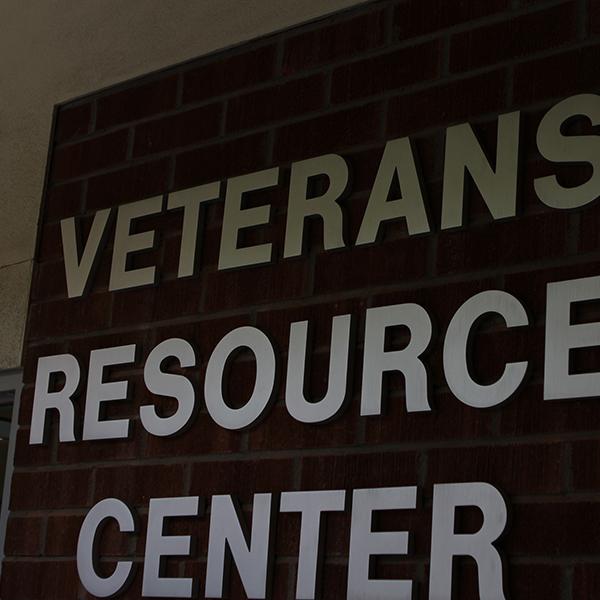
55	50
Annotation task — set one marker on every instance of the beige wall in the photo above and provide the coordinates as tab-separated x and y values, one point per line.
55	50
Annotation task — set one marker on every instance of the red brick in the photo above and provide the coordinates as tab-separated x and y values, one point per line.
568	174
205	334
418	17
240	379
137	484
530	286
253	286
31	356
585	465
49	242
594	16
134	589
27	455
38	580
72	122
242	478
333	42
280	431
586	580
501	244
61	535
554	529
49	281
359	470
513	39
557	76
176	131
98	451
84	157
220	161
529	414
63	201
275	103
23	536
177	298
277	322
448	420
589	239
523	469
277	587
126	185
61	317
386	72
136	102
334	132
371	265
446	104
50	489
203	437
229	74
529	581
526	447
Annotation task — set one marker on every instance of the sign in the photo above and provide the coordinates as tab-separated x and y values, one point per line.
253	553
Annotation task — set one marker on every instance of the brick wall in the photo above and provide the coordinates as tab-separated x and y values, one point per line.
344	84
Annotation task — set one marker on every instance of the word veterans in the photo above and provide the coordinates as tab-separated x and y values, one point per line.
253	554
463	153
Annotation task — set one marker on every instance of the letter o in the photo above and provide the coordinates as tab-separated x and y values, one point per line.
259	344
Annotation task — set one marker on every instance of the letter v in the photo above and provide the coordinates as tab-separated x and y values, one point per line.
78	271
